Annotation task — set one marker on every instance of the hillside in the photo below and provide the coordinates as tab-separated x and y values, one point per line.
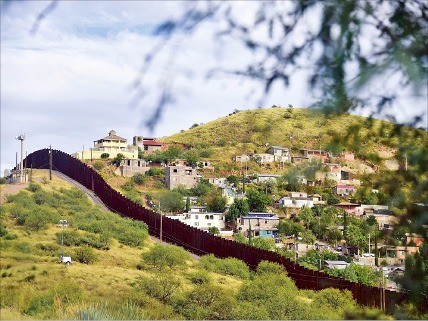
119	273
252	130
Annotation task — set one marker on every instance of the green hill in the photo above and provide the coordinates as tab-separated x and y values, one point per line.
252	130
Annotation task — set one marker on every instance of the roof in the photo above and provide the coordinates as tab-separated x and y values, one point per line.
261	215
336	262
268	175
345	186
151	143
279	147
112	136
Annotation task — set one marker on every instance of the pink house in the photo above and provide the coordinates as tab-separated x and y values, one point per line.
347	207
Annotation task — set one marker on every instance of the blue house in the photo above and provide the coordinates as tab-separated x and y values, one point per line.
262	224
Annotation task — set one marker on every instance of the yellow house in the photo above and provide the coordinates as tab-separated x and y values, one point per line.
111	145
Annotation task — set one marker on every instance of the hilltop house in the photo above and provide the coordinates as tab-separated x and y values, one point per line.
299	159
296	200
148	145
262	224
281	154
313	153
180	175
241	158
111	145
331	172
344	190
267	177
264	158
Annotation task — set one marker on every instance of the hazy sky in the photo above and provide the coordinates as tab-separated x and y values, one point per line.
71	82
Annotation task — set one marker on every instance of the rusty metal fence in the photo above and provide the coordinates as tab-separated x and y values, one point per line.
200	242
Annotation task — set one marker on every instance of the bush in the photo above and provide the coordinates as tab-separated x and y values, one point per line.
40	197
266	267
71	238
139	179
37	220
160	257
33	187
199	277
85	255
2	180
98	165
105	155
229	266
159	286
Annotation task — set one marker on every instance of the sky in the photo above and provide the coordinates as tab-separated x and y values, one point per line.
71	82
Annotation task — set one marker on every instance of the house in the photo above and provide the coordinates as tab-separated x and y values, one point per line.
205	165
313	153
415	238
344	190
262	224
386	221
400	252
267	177
347	156
181	175
264	158
296	200
299	159
231	195
130	167
200	220
111	145
148	145
331	171
218	181
281	154
368	210
241	158
340	265
347	207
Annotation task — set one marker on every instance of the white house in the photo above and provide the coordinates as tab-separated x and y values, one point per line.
264	158
267	177
201	221
281	154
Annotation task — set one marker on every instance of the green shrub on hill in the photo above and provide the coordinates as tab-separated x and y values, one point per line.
165	257
229	266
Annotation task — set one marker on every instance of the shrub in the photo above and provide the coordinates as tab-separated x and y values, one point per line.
139	179
85	255
23	247
160	257
128	186
199	277
71	238
29	278
40	197
98	165
38	220
159	286
105	155
2	180
33	187
229	266
266	267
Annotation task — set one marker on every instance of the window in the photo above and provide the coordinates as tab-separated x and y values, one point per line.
146	147
196	223
266	221
211	217
175	170
209	224
196	217
206	217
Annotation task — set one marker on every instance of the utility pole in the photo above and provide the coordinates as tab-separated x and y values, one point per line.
21	167
50	162
25	167
369	245
160	234
375	248
249	231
